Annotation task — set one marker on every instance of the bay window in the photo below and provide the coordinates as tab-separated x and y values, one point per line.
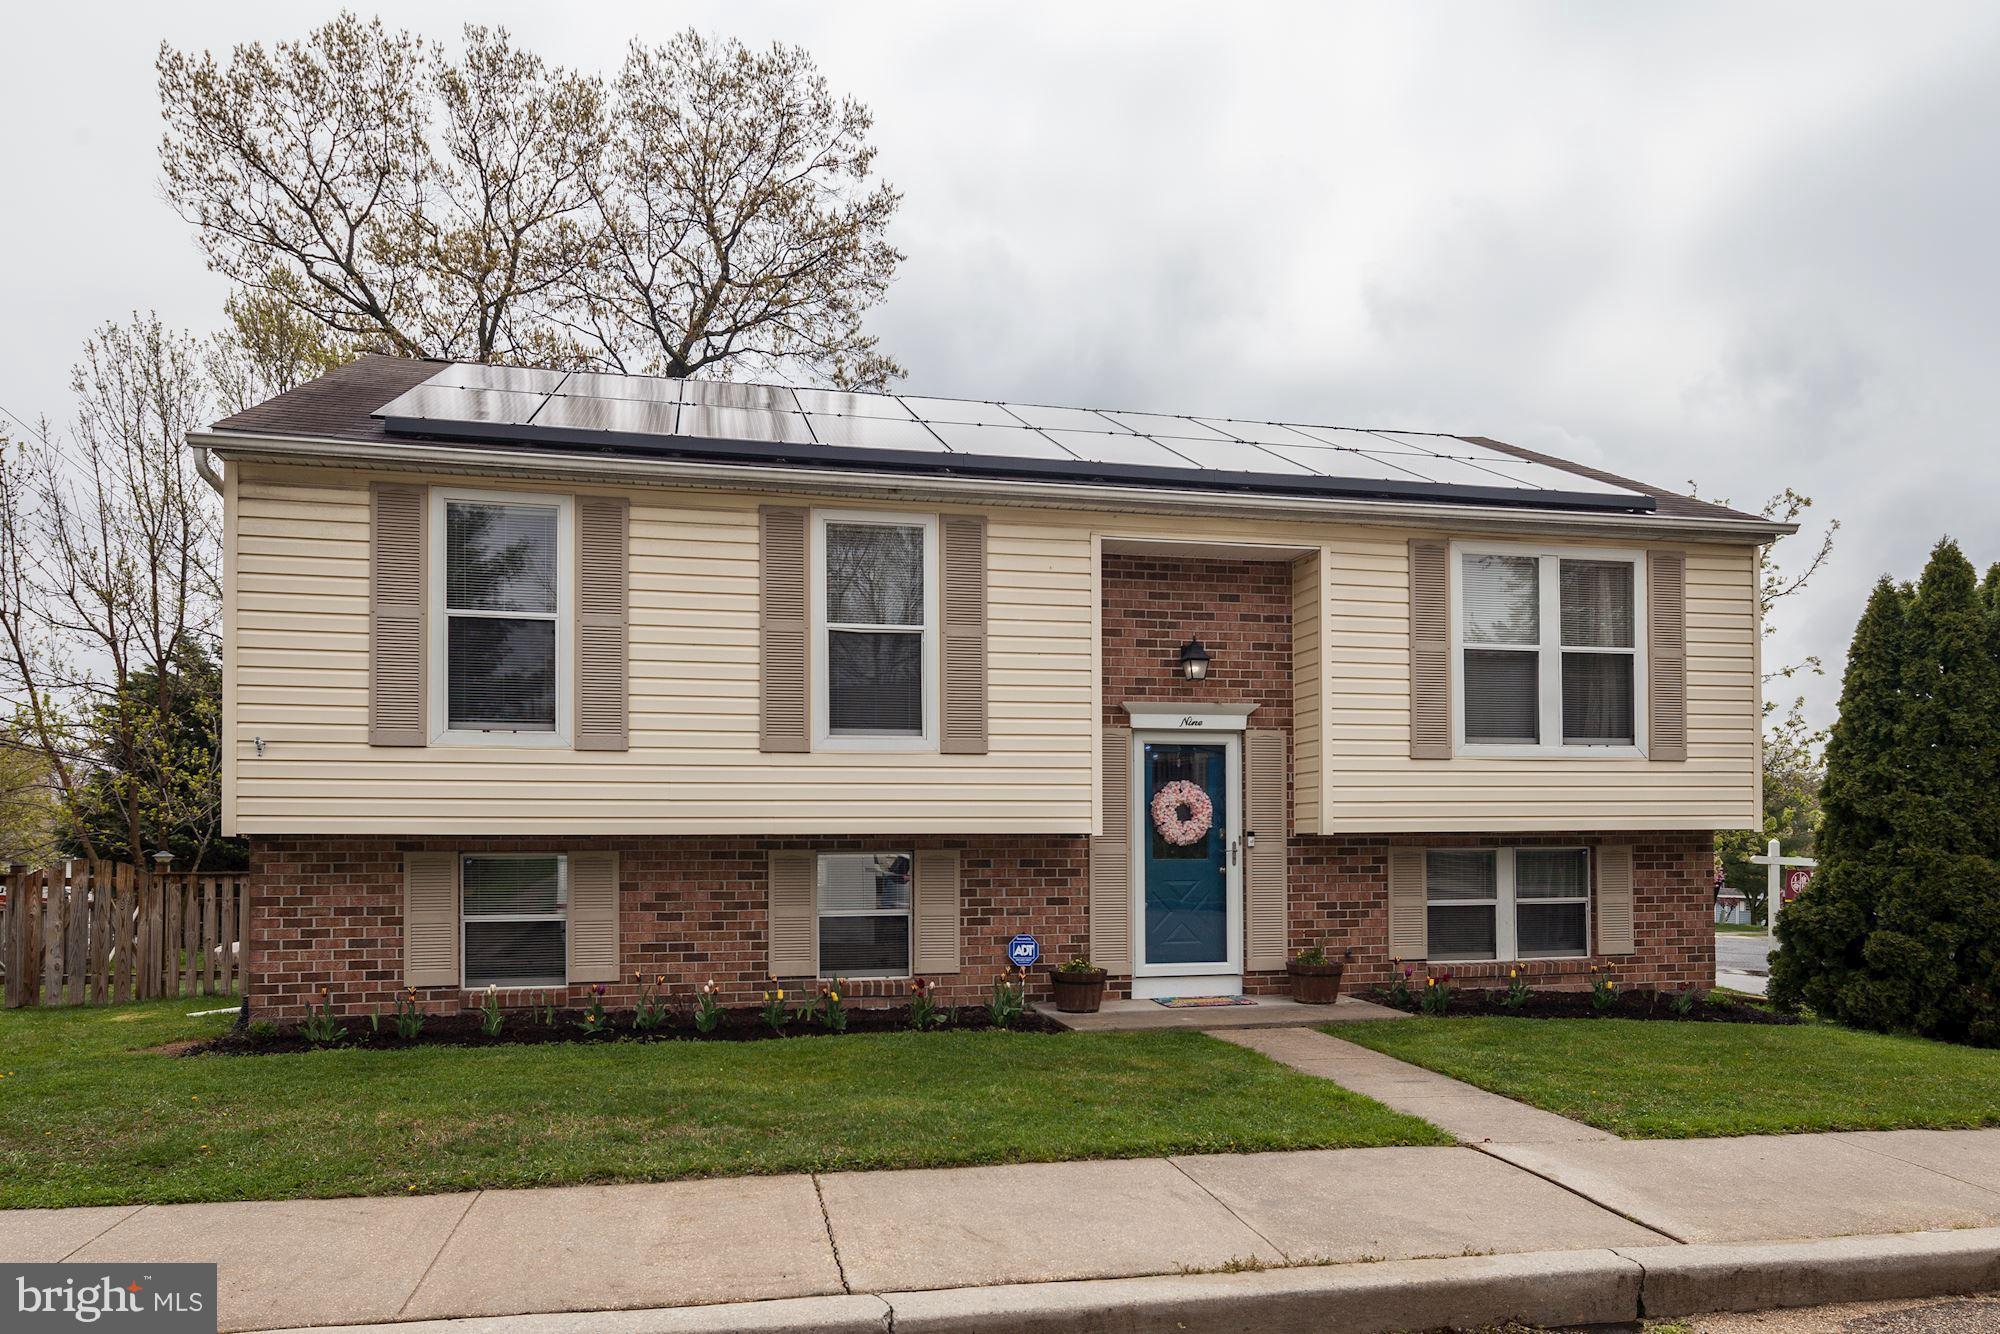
1546	651
1507	903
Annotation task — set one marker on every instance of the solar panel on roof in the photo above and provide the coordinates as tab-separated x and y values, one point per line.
873	433
962	410
519	379
1012	442
1104	447
774	423
449	403
853	405
759	424
597	384
628	415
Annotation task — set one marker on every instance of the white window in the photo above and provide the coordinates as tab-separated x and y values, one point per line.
864	914
515	919
1545	651
500	621
1507	903
875	618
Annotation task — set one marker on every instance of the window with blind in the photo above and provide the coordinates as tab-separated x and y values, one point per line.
1547	650
514	912
500	587
864	914
1507	903
876	607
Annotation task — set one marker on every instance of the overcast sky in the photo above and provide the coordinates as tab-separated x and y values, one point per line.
1748	245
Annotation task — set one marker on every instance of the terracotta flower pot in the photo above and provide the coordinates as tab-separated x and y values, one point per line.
1079	993
1315	983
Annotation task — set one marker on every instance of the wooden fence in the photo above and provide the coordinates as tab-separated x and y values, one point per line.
93	932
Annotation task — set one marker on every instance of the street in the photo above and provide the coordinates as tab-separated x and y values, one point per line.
1740	961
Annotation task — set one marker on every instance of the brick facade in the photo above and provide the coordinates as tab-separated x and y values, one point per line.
326	910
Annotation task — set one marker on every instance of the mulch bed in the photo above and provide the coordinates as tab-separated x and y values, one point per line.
464	1030
1578	1005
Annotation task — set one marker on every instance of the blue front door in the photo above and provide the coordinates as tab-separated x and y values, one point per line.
1187	873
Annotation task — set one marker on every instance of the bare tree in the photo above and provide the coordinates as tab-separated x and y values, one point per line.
109	594
714	211
740	225
408	203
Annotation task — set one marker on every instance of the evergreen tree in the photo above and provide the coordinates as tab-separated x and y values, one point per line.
1902	927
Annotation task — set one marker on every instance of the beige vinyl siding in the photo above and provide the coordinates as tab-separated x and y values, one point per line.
1372	785
295	659
1308	629
299	645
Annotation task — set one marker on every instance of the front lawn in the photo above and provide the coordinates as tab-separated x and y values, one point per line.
1654	1080
95	1118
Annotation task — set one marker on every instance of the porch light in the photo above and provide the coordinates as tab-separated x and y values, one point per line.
1194	660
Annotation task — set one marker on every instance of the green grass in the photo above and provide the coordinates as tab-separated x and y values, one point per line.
1739	929
93	1118
1660	1080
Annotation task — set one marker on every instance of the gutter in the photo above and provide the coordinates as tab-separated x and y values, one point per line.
686	474
205	466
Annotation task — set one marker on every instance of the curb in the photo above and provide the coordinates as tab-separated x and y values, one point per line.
1689	1280
1543	1288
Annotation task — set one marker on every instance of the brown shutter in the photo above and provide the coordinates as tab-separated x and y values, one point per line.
430	919
1409	931
602	524
1111	860
934	930
1430	649
396	587
963	561
592	934
782	630
1614	899
793	939
1265	890
1666	656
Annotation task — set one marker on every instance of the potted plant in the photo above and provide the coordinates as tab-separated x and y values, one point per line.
1079	986
1315	978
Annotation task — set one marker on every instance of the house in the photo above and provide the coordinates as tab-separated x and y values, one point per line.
536	680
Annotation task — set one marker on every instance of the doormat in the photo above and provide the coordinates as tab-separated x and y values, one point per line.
1200	1002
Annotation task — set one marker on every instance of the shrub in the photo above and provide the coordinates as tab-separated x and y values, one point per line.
1311	958
1684	1000
263	1029
1080	964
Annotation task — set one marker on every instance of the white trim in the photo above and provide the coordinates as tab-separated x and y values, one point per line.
823	737
438	629
560	915
1165	716
1549	651
1230	967
1506	903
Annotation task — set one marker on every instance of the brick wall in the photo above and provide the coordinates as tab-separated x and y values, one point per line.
1241	610
326	911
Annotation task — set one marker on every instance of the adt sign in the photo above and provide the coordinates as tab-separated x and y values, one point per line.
1024	951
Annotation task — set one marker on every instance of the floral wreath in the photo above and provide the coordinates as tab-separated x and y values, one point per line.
1178	829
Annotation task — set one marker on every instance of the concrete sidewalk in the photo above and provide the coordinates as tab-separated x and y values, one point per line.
685	1244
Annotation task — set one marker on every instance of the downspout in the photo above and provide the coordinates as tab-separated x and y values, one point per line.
205	465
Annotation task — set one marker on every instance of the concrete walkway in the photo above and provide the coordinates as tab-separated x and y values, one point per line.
1128	1016
1469	1114
679	1244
